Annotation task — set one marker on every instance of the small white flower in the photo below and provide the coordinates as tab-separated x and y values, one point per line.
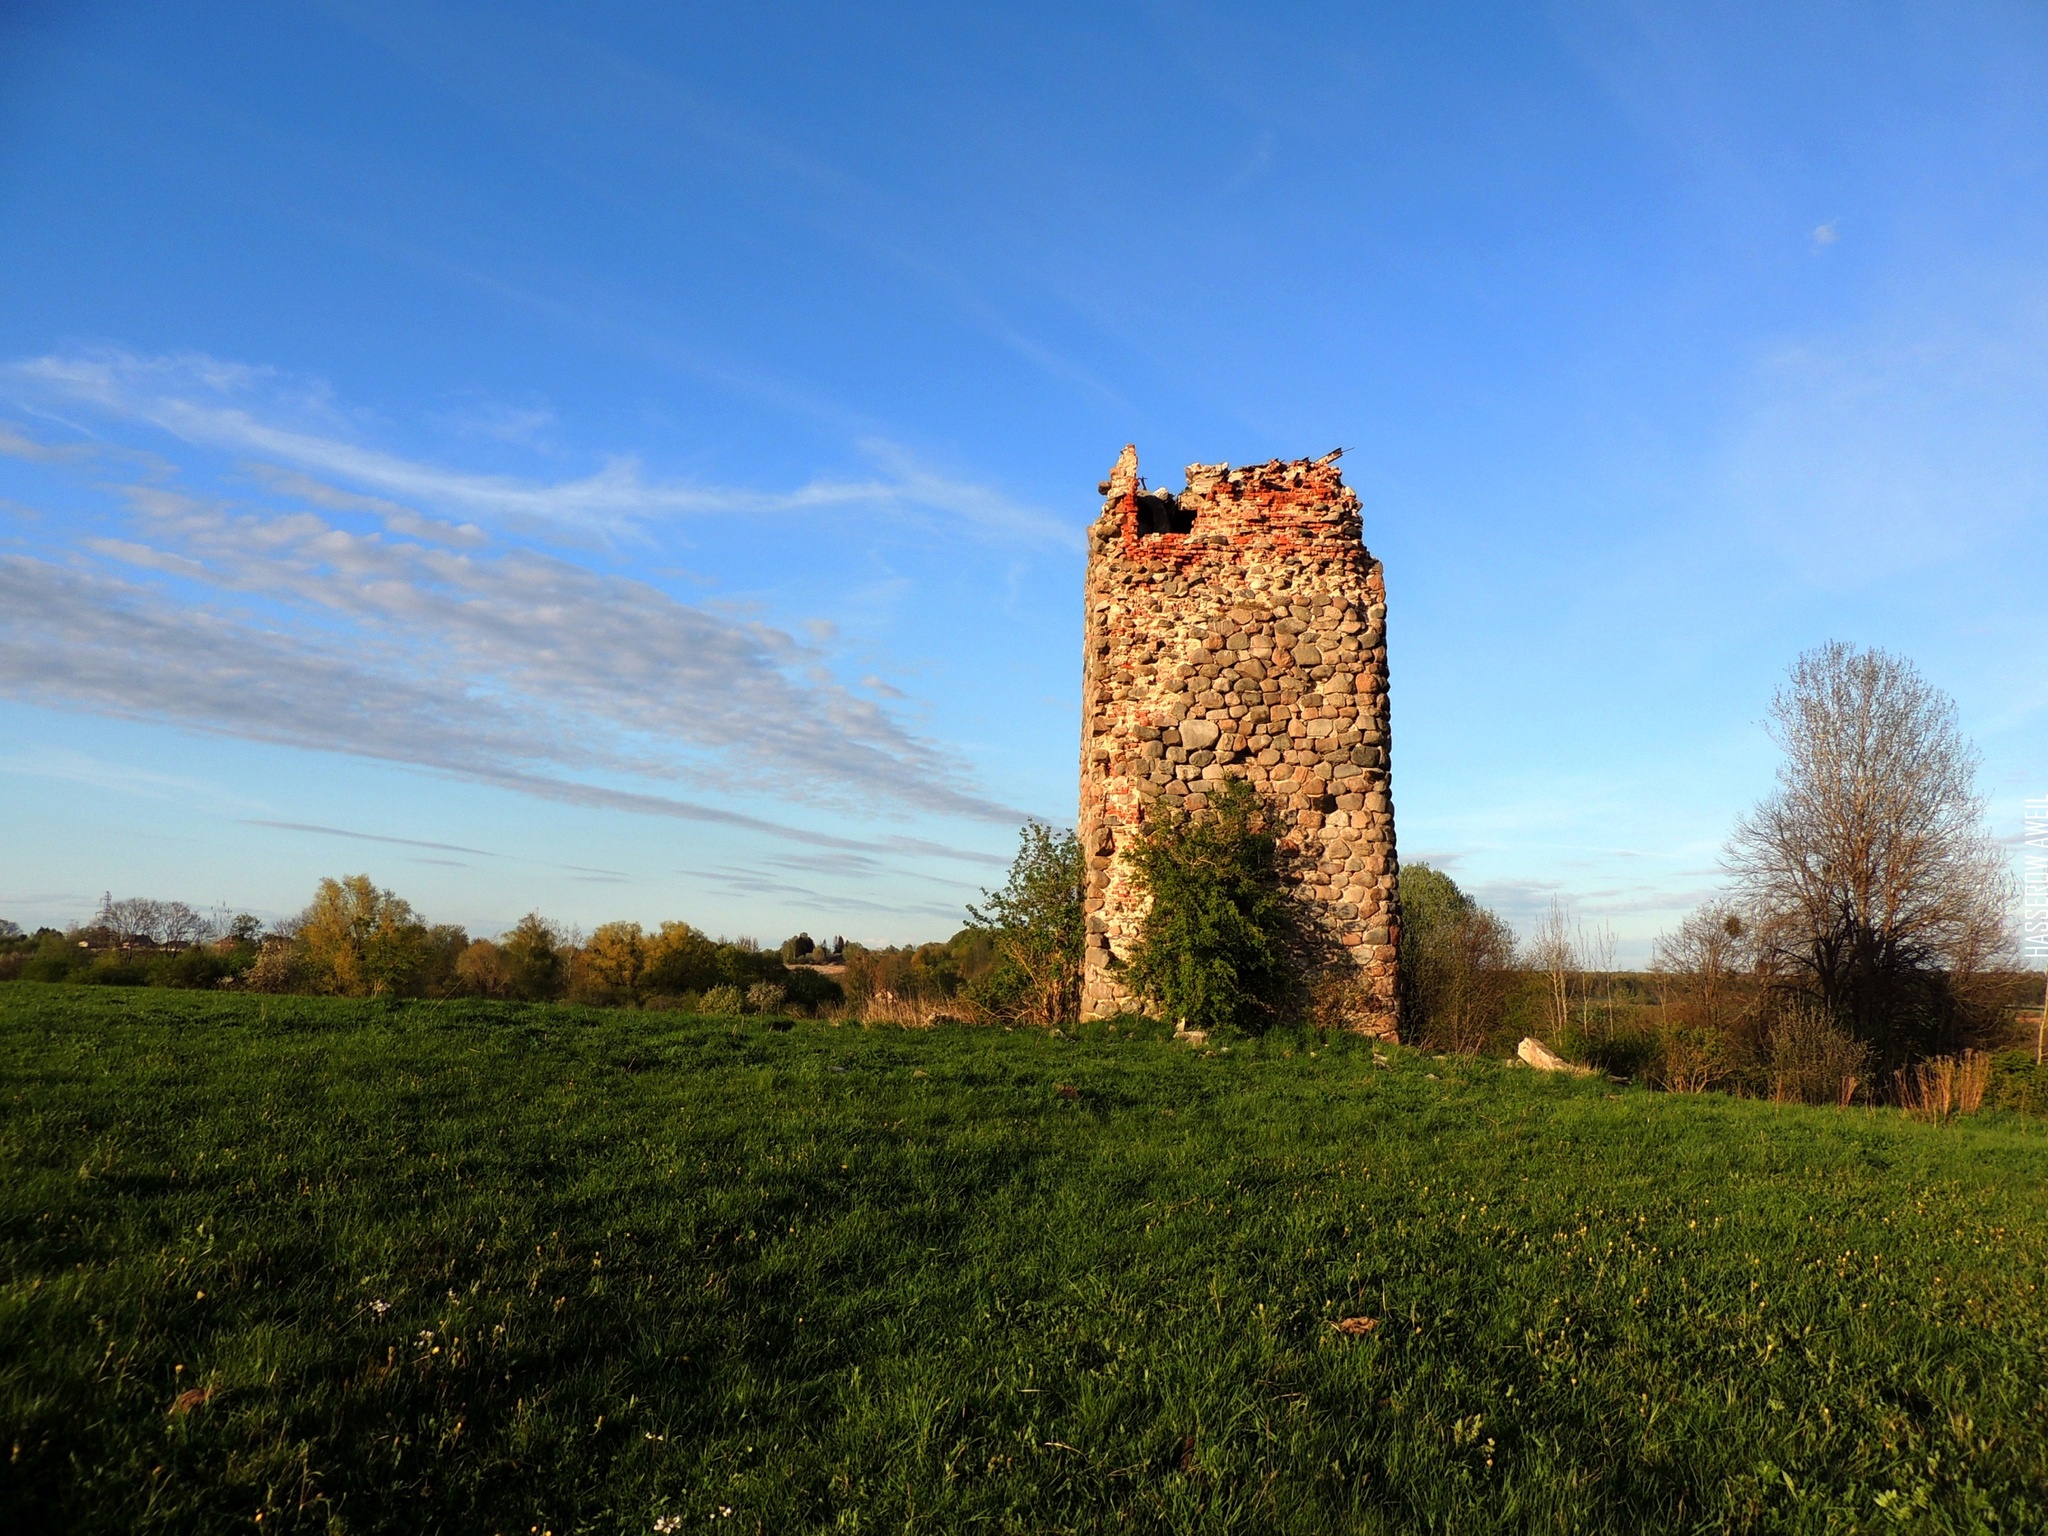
380	1307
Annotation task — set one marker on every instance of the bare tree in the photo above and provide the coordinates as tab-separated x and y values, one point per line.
1874	883
1707	959
1596	951
1554	955
154	922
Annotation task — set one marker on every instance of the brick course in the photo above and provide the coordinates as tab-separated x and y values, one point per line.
1239	627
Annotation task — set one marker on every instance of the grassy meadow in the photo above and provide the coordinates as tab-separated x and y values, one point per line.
291	1264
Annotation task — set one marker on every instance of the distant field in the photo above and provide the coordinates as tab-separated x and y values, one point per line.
291	1264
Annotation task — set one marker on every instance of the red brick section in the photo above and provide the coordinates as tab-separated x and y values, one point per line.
1252	644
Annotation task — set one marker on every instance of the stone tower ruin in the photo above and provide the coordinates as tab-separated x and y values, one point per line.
1239	628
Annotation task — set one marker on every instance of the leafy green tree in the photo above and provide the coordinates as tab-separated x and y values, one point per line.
1035	930
1215	947
534	963
679	959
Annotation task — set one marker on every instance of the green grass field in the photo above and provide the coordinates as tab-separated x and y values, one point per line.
304	1265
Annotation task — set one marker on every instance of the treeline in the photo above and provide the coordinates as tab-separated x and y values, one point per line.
357	940
1018	959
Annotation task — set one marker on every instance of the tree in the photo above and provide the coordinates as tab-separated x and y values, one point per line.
680	959
1873	883
1709	960
1035	929
480	970
153	922
358	941
1553	954
609	966
1215	946
1456	962
533	959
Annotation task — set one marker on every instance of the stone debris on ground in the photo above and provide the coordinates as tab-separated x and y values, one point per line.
1544	1059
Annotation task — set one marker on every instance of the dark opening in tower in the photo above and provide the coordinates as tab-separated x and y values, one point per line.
1161	512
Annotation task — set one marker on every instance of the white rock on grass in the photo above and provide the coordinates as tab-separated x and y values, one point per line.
1544	1059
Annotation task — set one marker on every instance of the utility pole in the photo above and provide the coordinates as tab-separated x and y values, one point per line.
2041	1025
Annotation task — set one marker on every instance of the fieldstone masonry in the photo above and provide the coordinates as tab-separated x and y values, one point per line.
1239	628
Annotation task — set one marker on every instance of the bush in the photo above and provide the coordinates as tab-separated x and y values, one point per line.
2018	1085
1214	948
921	973
1034	930
112	969
278	968
48	968
1457	962
764	997
1814	1061
1621	1051
807	989
1691	1059
200	966
726	1001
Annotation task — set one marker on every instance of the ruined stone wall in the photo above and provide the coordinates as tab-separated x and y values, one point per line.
1239	627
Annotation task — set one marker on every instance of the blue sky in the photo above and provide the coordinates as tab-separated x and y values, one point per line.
631	461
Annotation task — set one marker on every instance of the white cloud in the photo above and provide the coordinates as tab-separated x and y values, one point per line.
378	632
209	403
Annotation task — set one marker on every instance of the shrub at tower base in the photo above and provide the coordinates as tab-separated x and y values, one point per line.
1215	948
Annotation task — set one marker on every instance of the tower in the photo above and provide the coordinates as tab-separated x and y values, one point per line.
1239	628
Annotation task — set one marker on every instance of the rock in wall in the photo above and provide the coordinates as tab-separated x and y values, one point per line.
1239	628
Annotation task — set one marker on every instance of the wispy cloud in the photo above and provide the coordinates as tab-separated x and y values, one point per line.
261	412
366	628
514	670
73	767
750	883
366	837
